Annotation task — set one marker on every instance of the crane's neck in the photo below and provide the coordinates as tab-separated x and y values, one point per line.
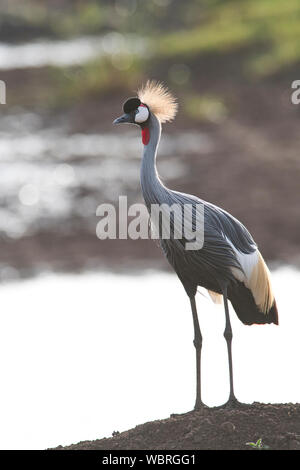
154	191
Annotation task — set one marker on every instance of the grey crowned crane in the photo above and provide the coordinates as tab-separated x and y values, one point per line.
229	264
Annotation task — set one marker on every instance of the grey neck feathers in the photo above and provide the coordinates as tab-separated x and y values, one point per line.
154	191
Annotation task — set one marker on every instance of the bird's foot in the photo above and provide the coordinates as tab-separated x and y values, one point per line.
233	404
199	406
176	415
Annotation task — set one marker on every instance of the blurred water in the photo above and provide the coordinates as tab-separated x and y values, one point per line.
69	52
83	356
48	174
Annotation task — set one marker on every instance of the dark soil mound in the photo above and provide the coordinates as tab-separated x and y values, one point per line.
211	428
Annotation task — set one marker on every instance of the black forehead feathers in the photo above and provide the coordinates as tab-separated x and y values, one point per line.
131	104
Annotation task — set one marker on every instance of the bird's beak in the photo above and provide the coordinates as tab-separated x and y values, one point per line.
124	118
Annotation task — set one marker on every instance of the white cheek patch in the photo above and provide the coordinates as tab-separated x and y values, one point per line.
141	115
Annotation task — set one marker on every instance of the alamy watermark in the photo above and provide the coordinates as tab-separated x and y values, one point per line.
295	96
2	92
183	222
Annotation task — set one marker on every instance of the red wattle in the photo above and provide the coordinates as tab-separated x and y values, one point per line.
145	135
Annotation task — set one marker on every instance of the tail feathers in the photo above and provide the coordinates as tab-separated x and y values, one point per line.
274	313
246	308
260	285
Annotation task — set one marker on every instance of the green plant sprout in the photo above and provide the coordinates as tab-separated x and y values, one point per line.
257	445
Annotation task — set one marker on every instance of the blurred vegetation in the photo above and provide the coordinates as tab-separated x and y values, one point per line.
93	79
271	27
260	36
205	107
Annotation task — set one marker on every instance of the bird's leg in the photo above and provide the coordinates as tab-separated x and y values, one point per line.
228	336
198	347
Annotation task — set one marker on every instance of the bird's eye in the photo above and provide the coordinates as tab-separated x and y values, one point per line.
142	114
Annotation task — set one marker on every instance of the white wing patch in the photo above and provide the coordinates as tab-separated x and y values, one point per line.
256	277
248	261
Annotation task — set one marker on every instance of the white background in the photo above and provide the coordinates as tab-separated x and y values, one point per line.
83	356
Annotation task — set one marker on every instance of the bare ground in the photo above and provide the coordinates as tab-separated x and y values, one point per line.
221	428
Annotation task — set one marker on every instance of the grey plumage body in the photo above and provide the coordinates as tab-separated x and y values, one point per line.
210	266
